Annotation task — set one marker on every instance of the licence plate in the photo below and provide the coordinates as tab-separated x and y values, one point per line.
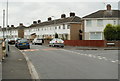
23	43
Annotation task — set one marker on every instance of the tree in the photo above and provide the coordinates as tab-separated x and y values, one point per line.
56	35
112	32
118	32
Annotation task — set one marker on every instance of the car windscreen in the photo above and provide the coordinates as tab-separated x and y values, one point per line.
23	40
59	40
38	39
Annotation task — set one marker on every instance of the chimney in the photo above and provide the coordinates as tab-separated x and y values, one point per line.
12	25
72	14
21	24
49	19
108	7
34	22
63	16
39	21
7	25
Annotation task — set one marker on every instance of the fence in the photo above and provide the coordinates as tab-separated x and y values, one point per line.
89	43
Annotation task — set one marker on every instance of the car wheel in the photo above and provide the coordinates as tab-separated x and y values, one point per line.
53	45
28	47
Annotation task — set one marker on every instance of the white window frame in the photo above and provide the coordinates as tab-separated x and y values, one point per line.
88	25
99	22
95	32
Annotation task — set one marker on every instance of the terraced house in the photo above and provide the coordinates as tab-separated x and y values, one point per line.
67	28
12	32
95	23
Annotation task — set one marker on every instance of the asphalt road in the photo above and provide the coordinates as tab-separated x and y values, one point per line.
0	62
58	63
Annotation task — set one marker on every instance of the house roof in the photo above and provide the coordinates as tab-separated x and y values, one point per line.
58	21
104	14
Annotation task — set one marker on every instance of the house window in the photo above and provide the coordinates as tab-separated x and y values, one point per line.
95	36
99	23
68	26
88	23
59	27
114	22
55	27
63	26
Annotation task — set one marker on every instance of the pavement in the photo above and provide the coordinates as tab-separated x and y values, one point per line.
14	67
91	48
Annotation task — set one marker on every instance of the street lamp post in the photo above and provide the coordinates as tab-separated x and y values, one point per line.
3	24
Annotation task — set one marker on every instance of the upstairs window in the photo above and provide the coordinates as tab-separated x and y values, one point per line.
59	27
55	27
63	26
99	23
68	26
88	23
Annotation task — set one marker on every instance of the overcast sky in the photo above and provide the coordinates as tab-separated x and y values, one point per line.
27	11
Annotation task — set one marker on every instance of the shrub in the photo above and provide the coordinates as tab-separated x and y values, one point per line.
112	32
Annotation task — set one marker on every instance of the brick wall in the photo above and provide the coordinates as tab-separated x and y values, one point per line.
89	43
74	31
21	33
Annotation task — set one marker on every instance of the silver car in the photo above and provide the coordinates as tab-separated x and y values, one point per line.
56	42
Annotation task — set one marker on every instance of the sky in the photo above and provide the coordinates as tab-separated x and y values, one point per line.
27	11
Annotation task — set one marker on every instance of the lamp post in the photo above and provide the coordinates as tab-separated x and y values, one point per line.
3	24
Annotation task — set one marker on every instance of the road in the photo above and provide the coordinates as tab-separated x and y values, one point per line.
58	63
0	62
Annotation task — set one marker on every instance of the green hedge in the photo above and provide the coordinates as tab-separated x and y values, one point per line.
112	32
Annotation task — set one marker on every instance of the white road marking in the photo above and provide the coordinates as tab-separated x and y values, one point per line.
93	56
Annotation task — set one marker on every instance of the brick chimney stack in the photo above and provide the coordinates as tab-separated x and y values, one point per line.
108	7
39	21
34	22
72	14
49	19
63	16
21	24
12	25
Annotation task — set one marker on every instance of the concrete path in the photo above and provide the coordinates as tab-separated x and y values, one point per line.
15	66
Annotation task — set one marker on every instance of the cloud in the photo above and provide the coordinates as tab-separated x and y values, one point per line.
27	12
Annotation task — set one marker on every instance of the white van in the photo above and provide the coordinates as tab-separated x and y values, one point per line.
37	41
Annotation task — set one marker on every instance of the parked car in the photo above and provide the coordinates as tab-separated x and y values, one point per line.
23	43
17	41
56	42
11	41
1	40
37	41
